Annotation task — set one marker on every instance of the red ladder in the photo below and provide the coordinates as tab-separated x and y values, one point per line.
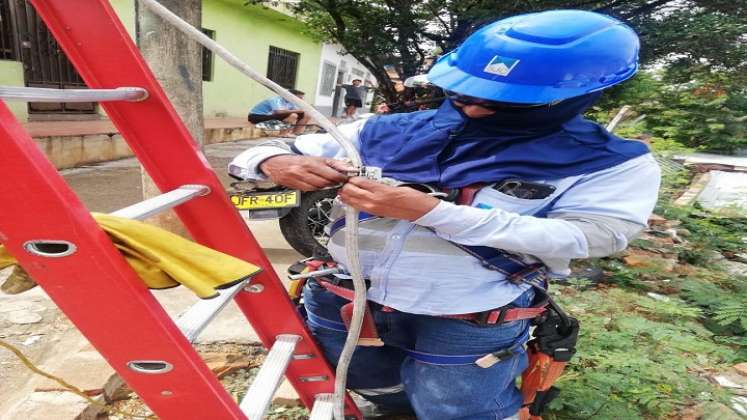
54	237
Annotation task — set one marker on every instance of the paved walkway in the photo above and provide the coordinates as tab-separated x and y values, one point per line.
105	126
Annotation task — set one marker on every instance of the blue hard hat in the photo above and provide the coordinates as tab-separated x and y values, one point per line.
539	58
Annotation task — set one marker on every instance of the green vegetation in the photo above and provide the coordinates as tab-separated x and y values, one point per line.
705	113
650	338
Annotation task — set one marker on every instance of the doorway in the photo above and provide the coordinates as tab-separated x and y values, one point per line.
45	64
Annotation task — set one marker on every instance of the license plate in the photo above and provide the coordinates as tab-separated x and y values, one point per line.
265	200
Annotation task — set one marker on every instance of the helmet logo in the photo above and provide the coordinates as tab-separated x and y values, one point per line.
501	66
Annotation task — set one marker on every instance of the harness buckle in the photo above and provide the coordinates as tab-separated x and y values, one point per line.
492	317
529	275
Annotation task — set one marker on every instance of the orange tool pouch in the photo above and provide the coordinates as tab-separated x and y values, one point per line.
369	334
553	345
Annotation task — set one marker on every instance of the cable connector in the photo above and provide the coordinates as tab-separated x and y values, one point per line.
370	172
374	173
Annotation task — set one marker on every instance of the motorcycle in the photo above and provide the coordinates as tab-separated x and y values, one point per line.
302	216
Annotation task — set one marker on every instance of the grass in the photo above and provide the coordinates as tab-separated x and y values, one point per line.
644	358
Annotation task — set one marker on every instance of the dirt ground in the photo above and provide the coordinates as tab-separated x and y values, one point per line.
33	323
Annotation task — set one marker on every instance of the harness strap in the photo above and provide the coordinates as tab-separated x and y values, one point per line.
500	315
467	194
491	258
322	322
467	359
340	291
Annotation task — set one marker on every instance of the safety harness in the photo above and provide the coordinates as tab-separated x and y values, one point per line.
554	338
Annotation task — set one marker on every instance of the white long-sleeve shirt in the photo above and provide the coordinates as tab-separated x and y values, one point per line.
414	266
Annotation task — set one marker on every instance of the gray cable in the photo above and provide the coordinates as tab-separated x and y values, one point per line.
351	215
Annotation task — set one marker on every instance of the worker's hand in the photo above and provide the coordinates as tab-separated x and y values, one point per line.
305	173
386	201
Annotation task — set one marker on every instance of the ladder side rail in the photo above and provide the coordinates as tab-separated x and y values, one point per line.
96	288
172	158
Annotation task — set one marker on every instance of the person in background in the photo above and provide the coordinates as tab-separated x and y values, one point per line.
354	96
278	109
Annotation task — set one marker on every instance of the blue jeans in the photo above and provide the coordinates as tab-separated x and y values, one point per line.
389	377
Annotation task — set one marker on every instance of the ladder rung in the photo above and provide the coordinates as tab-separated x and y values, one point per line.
32	94
199	315
157	204
260	393
323	407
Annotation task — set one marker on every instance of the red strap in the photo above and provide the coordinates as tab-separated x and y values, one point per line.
516	314
513	314
337	290
467	194
314	265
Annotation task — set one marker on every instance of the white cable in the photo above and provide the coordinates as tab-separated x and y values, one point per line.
351	215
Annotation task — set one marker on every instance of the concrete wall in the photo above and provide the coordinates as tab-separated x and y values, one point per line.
11	74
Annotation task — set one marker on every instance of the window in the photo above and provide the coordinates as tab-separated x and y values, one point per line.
328	79
282	67
207	58
7	44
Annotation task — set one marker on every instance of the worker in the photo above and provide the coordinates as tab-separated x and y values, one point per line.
277	108
546	185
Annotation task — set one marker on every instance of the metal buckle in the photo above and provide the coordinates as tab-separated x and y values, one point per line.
481	318
528	275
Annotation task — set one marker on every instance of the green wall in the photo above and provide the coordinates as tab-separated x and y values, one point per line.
11	74
248	32
126	11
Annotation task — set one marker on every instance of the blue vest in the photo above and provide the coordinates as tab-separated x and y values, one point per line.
443	147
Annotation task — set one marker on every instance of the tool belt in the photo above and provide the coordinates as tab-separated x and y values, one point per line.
500	315
343	287
507	313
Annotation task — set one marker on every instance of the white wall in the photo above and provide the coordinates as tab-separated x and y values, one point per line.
350	69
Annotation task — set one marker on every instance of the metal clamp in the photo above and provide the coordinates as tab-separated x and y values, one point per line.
318	273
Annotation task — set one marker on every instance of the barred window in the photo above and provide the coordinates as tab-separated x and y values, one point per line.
282	67
207	58
328	79
7	42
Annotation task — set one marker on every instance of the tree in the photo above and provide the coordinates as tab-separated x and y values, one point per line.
698	48
406	33
176	62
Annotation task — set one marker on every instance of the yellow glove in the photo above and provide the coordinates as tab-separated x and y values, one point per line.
161	259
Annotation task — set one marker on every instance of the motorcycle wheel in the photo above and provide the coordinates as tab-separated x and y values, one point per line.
303	227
